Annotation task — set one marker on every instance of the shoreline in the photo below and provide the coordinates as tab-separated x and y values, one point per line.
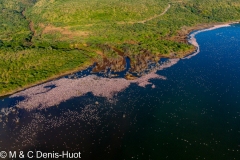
43	96
189	37
193	41
81	68
185	34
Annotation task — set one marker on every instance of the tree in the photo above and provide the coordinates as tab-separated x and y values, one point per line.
1	43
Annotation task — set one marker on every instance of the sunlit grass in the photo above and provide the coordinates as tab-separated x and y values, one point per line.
66	34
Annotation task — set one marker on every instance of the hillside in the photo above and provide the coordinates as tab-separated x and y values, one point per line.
42	39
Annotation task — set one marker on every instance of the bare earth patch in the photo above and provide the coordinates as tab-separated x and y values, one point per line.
50	29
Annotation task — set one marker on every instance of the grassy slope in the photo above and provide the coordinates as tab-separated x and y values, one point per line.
22	63
66	34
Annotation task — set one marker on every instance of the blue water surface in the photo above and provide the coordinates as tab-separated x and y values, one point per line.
194	114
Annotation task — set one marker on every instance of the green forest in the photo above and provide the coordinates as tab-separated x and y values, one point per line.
42	39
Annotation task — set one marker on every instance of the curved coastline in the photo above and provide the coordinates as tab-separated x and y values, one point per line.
190	38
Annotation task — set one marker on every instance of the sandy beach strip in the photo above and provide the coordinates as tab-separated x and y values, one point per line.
192	38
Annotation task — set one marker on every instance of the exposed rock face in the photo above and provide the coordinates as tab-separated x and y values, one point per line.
116	64
139	63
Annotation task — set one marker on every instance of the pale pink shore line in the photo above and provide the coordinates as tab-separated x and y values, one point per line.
41	96
192	40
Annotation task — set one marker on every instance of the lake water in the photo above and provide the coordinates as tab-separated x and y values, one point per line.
193	114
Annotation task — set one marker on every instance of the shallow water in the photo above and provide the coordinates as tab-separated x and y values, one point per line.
194	114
